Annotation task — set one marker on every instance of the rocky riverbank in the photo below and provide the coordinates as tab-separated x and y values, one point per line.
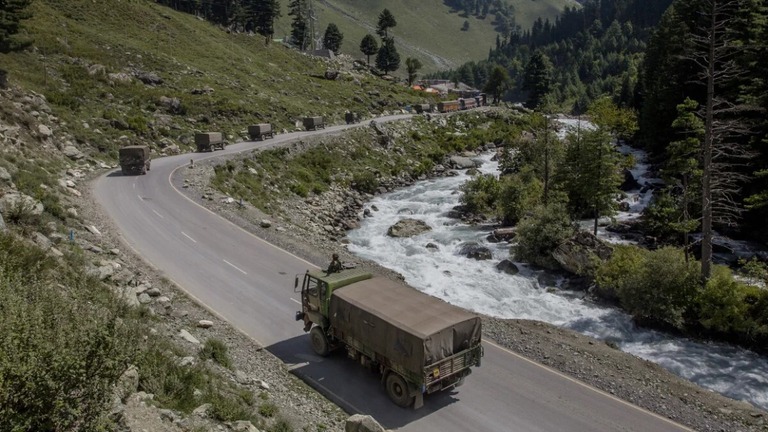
313	229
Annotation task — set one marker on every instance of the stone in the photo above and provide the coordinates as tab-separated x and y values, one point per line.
127	384
130	296
502	234
187	361
72	212
187	336
164	300
3	227
475	251
153	292
205	324
432	247
93	230
408	228
42	241
44	131
629	183
362	423
72	152
17	200
262	384
243	426
508	267
265	223
461	162
5	176
202	411
144	298
581	253
242	377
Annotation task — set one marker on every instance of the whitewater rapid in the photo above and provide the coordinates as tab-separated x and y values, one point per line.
534	295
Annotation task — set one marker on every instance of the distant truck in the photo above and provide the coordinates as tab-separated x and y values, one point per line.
422	108
351	117
314	123
209	141
260	131
419	343
134	159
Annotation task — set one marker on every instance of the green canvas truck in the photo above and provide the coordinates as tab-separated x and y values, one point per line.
134	159
209	141
419	343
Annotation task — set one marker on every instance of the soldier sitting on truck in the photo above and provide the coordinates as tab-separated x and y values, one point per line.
335	265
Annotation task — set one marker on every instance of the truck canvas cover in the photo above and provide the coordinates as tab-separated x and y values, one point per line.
136	154
406	326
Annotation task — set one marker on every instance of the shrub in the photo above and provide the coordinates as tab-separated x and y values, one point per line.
657	287
62	348
480	194
539	233
727	306
268	409
216	350
519	194
282	425
365	182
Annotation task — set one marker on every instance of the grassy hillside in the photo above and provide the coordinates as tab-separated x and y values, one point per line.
426	29
89	59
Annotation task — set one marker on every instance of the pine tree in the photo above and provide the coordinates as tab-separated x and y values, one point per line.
333	38
538	78
265	13
369	47
388	60
386	22
12	12
300	33
412	66
498	82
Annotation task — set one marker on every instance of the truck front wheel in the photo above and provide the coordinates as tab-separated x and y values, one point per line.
319	341
397	390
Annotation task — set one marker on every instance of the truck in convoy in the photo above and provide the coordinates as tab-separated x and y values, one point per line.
134	159
419	343
314	123
261	131
208	141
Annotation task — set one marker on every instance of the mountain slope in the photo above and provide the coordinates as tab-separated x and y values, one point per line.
426	29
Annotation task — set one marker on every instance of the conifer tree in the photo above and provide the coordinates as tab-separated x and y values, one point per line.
386	22
300	33
388	59
369	47
333	38
265	13
12	12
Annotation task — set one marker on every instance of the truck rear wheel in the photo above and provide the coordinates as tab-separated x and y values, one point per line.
397	390
319	341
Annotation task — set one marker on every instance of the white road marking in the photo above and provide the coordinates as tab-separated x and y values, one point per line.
293	299
235	267
161	216
185	235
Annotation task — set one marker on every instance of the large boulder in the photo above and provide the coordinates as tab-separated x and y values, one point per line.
629	183
508	267
475	251
408	228
17	201
461	162
581	253
502	234
362	423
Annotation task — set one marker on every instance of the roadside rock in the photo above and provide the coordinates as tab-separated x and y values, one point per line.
187	336
17	201
72	152
408	228
362	423
127	384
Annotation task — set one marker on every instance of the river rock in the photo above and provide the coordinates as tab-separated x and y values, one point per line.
508	267
501	234
476	251
408	228
581	253
461	162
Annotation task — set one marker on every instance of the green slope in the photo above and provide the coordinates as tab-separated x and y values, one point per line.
426	29
79	43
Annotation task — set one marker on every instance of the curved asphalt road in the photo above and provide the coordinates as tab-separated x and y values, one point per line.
249	282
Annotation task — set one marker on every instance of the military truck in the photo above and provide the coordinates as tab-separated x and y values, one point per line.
208	141
134	159
314	123
419	343
261	131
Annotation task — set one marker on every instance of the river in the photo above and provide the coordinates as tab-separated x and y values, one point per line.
478	286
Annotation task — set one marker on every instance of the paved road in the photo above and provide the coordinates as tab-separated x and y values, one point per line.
249	282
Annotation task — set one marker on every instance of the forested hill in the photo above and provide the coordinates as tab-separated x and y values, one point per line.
582	54
441	34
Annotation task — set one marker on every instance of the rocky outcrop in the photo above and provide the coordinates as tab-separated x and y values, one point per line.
580	254
408	228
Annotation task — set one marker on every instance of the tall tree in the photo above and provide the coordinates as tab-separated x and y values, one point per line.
265	12
12	12
498	82
538	78
333	38
369	47
388	59
412	66
300	31
386	22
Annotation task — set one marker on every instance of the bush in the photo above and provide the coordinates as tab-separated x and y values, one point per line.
216	350
365	182
519	194
657	287
62	345
480	194
539	233
730	307
268	409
